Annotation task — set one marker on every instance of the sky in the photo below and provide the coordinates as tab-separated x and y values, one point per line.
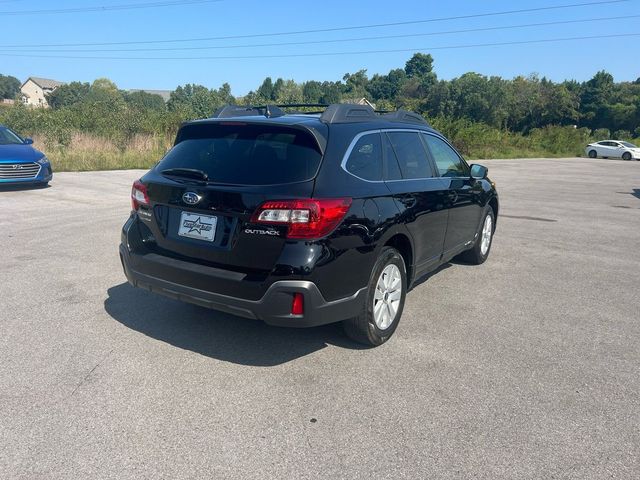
29	30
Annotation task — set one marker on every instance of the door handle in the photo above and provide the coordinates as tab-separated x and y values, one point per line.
409	201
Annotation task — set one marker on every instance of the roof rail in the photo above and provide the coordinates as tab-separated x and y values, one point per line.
229	111
303	105
347	112
334	113
405	116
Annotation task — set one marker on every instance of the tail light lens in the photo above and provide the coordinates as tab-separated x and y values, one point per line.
139	195
309	218
297	306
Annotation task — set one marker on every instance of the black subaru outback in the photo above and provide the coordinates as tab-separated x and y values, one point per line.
303	219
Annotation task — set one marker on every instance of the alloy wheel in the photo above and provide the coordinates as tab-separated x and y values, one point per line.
386	299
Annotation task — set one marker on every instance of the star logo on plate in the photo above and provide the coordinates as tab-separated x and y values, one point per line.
197	226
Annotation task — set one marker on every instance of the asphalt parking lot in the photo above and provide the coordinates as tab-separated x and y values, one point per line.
525	367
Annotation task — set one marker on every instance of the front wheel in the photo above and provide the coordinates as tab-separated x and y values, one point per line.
480	251
384	301
626	156
593	154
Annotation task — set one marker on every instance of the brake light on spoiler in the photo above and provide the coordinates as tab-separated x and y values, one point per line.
307	218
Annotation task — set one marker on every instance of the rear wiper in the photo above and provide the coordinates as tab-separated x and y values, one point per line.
193	173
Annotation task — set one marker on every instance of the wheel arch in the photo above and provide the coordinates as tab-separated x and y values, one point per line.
401	242
495	206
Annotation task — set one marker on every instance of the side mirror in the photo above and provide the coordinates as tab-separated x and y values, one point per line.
479	171
28	141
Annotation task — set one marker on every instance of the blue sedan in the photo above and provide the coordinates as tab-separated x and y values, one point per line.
20	163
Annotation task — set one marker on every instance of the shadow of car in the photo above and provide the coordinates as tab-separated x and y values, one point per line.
215	334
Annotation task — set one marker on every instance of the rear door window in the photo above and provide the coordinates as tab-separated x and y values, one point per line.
365	159
392	169
246	154
447	160
411	154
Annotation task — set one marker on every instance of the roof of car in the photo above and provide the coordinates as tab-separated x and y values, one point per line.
317	119
328	114
316	122
289	119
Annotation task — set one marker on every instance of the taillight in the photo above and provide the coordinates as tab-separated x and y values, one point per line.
309	218
139	195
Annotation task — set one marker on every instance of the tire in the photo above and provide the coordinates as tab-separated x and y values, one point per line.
479	253
593	154
626	156
375	325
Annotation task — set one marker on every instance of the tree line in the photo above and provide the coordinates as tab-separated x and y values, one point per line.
522	105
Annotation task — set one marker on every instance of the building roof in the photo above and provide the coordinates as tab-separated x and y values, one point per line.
165	94
359	101
44	82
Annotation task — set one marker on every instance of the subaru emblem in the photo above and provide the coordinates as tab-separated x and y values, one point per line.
191	198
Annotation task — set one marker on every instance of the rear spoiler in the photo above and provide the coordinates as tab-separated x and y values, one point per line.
319	134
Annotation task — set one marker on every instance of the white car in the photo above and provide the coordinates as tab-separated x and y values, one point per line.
613	149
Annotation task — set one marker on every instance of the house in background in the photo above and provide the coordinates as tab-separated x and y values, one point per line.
33	92
359	101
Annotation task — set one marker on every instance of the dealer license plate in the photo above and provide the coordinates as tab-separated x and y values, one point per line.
200	227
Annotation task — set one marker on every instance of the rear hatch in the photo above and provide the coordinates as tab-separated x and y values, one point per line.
204	192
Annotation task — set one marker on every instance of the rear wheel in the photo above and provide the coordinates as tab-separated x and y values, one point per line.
384	301
626	156
593	154
480	251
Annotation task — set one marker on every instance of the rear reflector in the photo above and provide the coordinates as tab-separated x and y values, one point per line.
309	218
139	195
297	307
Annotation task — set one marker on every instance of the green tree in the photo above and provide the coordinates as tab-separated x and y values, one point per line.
265	90
197	101
9	86
595	99
356	84
105	85
386	87
289	92
420	65
141	100
68	94
312	92
331	92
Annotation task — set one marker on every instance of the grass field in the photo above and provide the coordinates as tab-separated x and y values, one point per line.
88	153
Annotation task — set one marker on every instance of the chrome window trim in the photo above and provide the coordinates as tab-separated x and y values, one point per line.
352	145
380	131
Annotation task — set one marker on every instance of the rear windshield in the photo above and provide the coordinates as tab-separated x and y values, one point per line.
245	154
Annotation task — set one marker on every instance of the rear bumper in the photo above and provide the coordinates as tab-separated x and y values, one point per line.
274	308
